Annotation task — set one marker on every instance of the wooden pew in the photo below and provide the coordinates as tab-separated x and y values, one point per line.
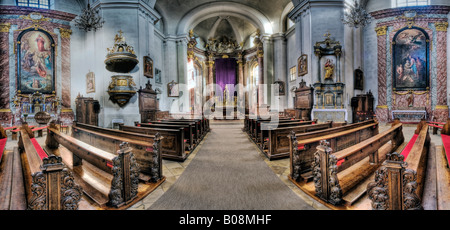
443	170
266	126
107	178
12	191
173	144
336	174
49	184
256	128
201	124
193	125
12	188
302	146
188	132
146	148
276	144
408	167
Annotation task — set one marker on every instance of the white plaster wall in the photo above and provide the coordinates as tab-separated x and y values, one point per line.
292	55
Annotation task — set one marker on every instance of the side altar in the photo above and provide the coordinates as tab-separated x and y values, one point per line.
329	89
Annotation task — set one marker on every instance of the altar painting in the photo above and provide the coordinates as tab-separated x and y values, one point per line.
410	58
36	62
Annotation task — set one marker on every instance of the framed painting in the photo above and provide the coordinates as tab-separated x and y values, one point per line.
359	79
302	65
173	89
90	82
148	67
35	62
410	50
158	79
281	87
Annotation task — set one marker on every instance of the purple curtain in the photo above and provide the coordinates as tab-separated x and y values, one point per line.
225	75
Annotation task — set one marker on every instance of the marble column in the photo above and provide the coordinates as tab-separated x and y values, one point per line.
66	112
382	109
5	111
441	110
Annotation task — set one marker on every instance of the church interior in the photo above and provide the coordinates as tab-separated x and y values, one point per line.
224	105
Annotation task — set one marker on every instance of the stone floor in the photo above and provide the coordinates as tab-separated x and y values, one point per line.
172	170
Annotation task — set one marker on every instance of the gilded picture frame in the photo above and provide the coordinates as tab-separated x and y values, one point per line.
90	82
410	57
36	62
281	88
173	89
148	67
302	65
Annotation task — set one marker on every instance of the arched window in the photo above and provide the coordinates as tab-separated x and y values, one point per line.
44	4
404	3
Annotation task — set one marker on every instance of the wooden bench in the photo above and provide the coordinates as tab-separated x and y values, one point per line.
16	130
266	126
337	174
443	171
189	135
12	193
437	125
146	148
302	146
12	188
173	144
202	125
39	130
255	131
276	144
399	183
193	125
109	179
49	184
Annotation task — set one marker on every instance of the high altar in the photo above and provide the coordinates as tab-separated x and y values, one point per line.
329	89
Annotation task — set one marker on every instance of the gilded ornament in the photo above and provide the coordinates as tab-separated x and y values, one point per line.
441	26
4	27
381	30
65	33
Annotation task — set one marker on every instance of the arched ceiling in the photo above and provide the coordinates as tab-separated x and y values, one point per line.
179	15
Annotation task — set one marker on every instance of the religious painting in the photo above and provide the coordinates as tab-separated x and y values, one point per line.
148	67
359	79
303	65
410	59
90	82
35	62
158	76
173	89
281	87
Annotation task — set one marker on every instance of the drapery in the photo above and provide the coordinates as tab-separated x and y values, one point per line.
225	75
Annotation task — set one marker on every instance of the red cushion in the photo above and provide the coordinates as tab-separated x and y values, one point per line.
340	162
2	146
300	147
38	148
437	126
409	146
446	142
8	128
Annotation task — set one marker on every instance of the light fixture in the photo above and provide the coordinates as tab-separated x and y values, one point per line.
89	19
356	16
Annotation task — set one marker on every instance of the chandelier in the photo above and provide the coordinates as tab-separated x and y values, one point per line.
89	19
356	16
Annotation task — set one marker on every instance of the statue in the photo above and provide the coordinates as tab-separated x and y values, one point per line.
329	68
410	99
225	95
